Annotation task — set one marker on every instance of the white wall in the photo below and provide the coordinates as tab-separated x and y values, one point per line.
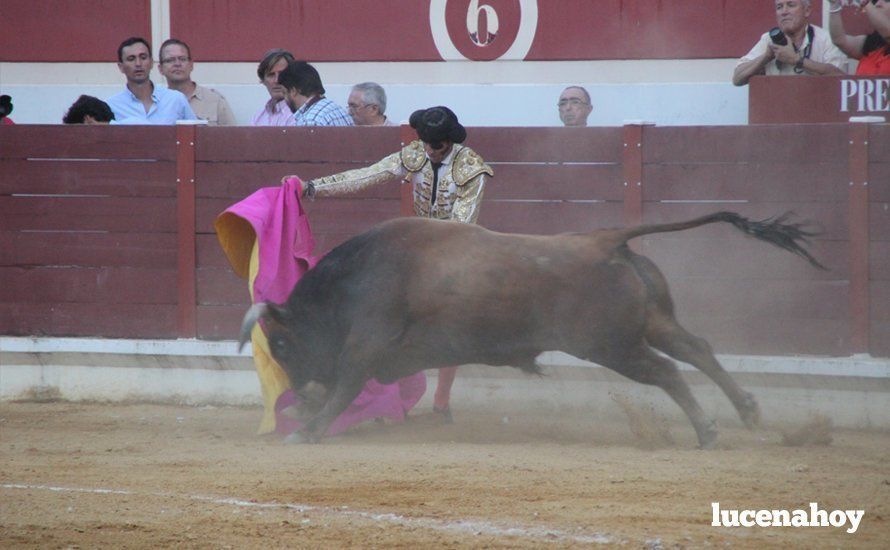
476	105
508	93
853	391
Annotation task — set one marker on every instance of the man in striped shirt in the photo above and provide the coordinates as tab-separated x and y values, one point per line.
304	94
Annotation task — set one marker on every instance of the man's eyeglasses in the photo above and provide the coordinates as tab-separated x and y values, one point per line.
171	60
356	106
574	102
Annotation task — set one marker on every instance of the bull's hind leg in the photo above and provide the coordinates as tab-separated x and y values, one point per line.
647	367
663	332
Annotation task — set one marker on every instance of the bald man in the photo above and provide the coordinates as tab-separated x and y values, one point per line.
574	106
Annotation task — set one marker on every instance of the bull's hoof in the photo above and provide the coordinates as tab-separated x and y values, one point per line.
298	438
750	412
707	438
445	414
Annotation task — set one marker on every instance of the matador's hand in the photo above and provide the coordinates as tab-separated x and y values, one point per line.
309	190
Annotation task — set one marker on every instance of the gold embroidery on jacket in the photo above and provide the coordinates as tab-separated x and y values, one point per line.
413	156
458	193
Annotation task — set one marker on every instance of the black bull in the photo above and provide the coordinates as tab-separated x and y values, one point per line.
414	294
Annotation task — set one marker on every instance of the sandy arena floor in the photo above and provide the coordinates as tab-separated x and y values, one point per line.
129	476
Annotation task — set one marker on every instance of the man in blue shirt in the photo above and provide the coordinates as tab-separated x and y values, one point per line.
304	95
142	102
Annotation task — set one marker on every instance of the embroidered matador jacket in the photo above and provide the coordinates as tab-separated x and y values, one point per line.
451	192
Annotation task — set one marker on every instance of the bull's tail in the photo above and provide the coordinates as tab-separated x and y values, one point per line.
789	236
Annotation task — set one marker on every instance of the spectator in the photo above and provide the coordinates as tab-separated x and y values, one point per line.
5	109
574	106
448	180
275	112
88	110
873	50
304	94
367	105
808	48
142	102
176	65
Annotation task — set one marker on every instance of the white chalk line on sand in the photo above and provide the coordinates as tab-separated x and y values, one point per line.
474	527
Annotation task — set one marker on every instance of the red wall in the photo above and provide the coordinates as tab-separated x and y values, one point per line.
368	30
61	30
396	30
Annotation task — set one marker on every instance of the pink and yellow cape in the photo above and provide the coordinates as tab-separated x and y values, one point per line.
267	240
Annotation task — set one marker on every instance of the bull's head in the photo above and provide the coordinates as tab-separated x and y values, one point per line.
310	375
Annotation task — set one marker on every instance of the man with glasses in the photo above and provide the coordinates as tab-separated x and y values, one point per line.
142	102
796	48
448	180
574	106
367	105
872	50
176	66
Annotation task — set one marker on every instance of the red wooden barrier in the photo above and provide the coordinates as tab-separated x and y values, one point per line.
88	231
114	246
879	239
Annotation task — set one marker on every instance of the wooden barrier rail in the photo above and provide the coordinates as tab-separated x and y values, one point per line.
108	231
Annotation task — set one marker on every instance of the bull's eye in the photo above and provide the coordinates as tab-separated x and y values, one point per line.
279	346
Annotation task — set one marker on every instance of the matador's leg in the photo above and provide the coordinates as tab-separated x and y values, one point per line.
442	399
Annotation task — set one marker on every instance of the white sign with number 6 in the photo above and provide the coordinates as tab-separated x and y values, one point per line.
528	24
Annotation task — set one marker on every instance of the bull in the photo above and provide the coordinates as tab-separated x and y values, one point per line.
413	294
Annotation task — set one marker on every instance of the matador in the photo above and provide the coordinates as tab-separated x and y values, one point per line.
448	180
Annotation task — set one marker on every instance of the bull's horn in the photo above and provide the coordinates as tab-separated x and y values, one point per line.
250	318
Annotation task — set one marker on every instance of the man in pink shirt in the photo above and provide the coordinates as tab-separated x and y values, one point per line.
275	112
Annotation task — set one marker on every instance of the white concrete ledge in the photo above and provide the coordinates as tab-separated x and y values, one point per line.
853	391
226	348
857	365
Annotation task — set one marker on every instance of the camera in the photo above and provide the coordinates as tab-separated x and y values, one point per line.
778	37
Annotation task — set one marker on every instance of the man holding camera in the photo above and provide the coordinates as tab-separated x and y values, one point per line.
794	47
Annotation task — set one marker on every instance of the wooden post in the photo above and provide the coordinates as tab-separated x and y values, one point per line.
859	238
186	324
407	135
632	176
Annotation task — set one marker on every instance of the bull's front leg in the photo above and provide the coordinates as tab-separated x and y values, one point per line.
345	392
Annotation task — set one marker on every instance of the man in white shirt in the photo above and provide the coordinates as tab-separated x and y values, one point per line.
807	49
367	104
